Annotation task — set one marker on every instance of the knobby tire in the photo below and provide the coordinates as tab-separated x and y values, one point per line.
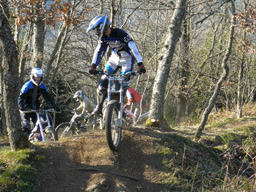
113	133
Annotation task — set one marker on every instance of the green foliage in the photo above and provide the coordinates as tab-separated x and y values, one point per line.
247	130
188	166
17	172
221	122
170	112
249	146
230	138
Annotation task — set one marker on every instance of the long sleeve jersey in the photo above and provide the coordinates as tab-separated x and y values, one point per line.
30	93
118	41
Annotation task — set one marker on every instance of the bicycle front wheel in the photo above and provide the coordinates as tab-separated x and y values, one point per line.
64	130
113	129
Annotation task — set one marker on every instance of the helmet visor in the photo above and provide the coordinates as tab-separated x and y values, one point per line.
78	99
97	30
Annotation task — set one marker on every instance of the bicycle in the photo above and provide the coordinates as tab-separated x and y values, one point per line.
113	109
131	118
45	132
75	126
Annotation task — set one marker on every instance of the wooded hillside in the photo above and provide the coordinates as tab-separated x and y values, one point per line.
194	43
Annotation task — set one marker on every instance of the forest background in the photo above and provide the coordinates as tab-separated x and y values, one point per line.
199	55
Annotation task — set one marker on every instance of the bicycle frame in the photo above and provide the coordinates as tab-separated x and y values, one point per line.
39	114
134	118
117	78
121	95
113	112
73	119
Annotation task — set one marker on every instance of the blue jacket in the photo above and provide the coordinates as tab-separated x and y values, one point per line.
29	96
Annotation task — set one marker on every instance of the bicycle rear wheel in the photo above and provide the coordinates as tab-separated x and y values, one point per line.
113	129
64	130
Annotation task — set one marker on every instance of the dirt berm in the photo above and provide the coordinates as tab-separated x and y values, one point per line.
85	163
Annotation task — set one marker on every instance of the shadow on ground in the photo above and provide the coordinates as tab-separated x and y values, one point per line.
144	162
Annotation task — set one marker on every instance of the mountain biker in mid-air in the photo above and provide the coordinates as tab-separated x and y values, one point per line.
123	52
29	98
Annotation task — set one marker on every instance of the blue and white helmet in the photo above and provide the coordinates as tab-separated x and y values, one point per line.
36	72
99	23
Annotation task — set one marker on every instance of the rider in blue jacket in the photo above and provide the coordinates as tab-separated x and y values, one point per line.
124	52
29	98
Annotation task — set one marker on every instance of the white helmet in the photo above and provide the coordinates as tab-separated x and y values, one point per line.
79	94
99	23
36	72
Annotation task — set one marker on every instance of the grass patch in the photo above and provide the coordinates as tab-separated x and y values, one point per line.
17	171
187	166
3	140
221	123
247	130
230	138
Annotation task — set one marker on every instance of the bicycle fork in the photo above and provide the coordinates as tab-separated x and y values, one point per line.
118	122
39	123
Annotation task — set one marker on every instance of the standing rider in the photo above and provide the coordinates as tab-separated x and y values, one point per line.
29	98
123	52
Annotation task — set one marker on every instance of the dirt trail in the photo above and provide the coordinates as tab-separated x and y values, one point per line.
85	163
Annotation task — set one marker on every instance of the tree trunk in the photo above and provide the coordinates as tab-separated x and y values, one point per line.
101	2
173	35
22	57
239	87
58	54
241	75
113	21
2	118
11	81
59	44
38	40
184	73
16	29
221	79
113	13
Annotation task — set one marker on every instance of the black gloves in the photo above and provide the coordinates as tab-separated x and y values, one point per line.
92	69
57	109
141	68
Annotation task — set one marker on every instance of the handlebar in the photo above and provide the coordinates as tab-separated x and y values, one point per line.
131	73
39	110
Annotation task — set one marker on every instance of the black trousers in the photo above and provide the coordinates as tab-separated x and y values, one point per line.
25	120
